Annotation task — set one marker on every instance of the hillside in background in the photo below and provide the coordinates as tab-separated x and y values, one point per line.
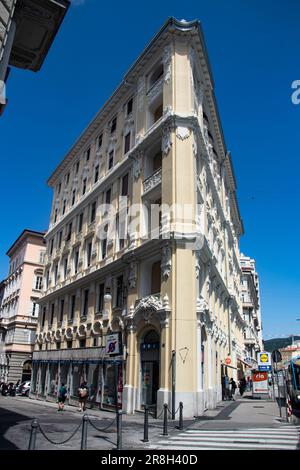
277	343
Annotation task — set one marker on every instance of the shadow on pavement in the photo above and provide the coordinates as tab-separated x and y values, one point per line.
8	419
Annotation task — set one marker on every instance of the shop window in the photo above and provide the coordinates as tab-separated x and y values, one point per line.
109	389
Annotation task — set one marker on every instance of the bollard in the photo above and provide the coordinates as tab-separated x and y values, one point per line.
146	424
85	419
180	426
119	430
165	432
33	433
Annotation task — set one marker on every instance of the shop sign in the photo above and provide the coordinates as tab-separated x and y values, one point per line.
113	344
264	359
260	382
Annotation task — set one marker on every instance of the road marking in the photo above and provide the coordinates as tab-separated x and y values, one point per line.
284	437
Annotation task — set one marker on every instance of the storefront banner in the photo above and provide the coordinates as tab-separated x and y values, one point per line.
113	344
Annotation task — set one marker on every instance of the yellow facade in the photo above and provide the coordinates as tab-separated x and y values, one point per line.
173	295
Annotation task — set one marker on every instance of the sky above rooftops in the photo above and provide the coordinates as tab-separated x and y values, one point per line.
254	54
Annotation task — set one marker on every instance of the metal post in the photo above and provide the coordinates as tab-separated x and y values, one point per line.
116	385
173	382
165	432
273	381
279	395
146	424
119	430
285	397
83	445
180	416
33	433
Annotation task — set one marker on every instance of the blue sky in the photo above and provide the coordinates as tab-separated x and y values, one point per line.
253	48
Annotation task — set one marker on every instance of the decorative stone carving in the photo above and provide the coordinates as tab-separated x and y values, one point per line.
182	132
166	140
137	164
132	278
151	303
197	265
167	61
166	261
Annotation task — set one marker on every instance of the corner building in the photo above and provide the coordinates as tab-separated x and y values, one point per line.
157	140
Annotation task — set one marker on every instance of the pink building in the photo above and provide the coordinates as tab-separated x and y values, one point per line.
19	309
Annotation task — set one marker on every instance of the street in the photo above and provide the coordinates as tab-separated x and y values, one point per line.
241	424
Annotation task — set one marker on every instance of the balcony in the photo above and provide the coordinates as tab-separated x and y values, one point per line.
249	341
155	91
153	181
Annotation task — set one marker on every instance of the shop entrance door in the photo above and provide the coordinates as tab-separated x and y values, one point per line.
150	373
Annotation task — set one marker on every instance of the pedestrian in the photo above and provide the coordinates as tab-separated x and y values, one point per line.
61	398
227	387
83	396
242	386
232	388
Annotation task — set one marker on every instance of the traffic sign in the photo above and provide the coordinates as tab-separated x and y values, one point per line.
276	356
227	360
265	368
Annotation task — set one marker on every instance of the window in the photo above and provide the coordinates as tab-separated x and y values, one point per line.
69	344
120	294
42	257
59	188
80	222
84	186
100	298
82	343
73	197
52	314
77	166
108	196
127	143
62	305
93	212
158	113
113	125
65	267
55	216
35	309
85	303
96	177
51	246
88	154
88	254
55	273
99	141
156	75
69	233
59	238
124	191
76	259
64	207
47	279
157	161
110	159
38	282
103	247
72	307
44	317
67	178
129	106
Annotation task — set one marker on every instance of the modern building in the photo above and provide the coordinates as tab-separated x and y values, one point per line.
250	297
27	30
19	308
142	274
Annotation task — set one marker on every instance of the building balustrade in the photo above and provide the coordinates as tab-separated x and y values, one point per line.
153	181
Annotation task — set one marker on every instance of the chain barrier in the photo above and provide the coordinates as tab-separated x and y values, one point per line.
103	429
58	443
175	411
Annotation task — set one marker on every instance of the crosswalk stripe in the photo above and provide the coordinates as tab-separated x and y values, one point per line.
284	437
